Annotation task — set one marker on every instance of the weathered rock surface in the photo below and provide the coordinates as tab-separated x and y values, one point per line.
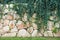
23	33
13	34
34	34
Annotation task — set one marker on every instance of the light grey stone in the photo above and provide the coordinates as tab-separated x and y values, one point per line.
50	33
14	29
23	33
57	25
34	34
39	34
5	29
45	34
1	25
50	24
30	29
34	26
13	34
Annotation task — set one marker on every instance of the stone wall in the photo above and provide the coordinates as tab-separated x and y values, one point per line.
11	25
